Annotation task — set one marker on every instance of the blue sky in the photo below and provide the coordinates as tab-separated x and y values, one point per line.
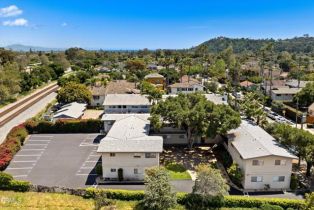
136	24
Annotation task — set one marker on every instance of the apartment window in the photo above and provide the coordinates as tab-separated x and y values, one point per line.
96	97
280	162
112	107
144	107
113	170
119	107
196	89
190	89
256	179
278	178
134	107
150	155
136	171
258	162
178	89
137	155
124	106
184	89
112	154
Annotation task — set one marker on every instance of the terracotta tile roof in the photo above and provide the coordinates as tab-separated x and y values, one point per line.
120	87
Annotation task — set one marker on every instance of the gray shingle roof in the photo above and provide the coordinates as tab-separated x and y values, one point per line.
126	99
251	141
130	134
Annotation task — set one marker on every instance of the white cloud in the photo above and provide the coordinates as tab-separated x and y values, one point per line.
10	11
16	22
64	24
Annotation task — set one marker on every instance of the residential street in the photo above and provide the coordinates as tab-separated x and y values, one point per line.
32	111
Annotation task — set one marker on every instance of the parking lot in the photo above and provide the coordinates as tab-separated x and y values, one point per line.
57	160
67	160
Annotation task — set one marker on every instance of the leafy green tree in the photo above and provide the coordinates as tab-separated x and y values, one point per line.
306	95
195	114
9	81
252	108
209	182
218	69
212	86
309	201
158	190
73	92
153	93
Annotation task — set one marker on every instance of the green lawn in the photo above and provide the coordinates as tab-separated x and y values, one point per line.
177	171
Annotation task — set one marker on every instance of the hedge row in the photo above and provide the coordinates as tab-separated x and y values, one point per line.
12	145
188	200
8	183
65	126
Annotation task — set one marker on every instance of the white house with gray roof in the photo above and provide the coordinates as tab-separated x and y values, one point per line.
126	103
72	110
129	147
263	161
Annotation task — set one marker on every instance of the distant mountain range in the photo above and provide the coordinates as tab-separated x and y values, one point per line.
26	48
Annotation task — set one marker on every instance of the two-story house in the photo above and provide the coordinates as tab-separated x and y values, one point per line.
265	164
128	148
187	84
157	80
126	103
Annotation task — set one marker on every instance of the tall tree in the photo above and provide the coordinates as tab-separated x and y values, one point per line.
158	190
195	114
73	92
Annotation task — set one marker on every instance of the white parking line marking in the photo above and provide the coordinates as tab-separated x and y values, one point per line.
32	149
19	168
39	140
24	161
29	155
86	167
37	144
19	176
91	161
42	136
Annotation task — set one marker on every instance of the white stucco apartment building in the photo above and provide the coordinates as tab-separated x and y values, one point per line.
126	103
265	163
128	147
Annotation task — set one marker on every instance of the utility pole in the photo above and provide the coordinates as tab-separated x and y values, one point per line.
297	108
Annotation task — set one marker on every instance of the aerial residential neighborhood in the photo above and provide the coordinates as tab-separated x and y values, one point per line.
157	105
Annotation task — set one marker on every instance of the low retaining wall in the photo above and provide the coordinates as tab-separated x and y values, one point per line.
55	189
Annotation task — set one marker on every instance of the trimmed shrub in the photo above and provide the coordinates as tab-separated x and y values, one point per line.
198	201
12	145
19	186
185	199
5	180
250	202
271	207
8	183
65	126
125	195
235	174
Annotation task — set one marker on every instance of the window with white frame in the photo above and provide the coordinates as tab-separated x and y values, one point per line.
113	170
280	162
257	162
112	154
256	179
278	178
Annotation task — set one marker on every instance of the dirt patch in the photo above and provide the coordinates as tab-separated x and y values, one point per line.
188	158
92	114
